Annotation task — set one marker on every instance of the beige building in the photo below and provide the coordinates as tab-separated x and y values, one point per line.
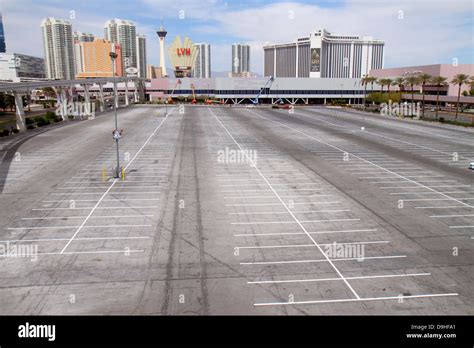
93	59
153	72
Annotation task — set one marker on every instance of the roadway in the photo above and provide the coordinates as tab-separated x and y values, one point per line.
234	211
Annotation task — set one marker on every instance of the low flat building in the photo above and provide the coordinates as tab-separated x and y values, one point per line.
16	67
445	70
242	90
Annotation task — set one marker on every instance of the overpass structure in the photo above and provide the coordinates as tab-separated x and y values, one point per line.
64	92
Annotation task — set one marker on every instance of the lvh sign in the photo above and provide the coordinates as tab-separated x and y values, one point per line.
183	51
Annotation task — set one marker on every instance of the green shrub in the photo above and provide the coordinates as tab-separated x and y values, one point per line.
4	133
52	117
30	127
15	131
41	121
29	121
378	97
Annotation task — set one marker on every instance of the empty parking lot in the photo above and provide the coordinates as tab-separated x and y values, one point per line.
239	211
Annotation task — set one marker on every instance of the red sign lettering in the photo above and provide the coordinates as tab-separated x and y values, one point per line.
183	51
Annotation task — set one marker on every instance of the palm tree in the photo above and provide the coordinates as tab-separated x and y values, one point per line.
371	80
412	81
459	79
365	81
438	81
423	79
389	83
381	83
400	82
384	82
471	86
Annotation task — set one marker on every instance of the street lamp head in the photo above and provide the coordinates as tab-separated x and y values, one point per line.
113	55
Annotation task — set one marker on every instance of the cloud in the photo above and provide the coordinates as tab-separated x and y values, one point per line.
415	32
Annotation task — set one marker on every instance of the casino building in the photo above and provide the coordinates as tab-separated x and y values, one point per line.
324	55
182	54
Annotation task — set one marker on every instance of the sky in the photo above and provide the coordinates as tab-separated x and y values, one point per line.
416	32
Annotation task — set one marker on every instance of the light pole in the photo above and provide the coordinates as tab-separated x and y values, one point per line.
113	56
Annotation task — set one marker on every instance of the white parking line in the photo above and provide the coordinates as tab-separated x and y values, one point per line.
451	216
64	239
276	204
66	227
270	196
114	182
442	207
362	299
128	207
294	212
100	193
419	182
82	217
300	233
104	200
289	189
309	245
290	222
286	207
288	184
337	279
127	251
426	193
89	188
407	176
439	199
323	260
440	186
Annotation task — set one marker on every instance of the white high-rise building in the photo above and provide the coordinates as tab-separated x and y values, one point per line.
202	65
78	54
240	59
324	55
162	34
141	55
83	37
124	33
58	48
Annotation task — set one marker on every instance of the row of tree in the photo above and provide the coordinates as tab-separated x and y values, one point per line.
7	101
422	80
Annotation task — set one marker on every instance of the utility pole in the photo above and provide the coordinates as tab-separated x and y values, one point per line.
113	56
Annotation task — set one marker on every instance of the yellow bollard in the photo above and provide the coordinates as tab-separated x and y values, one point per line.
123	174
104	174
